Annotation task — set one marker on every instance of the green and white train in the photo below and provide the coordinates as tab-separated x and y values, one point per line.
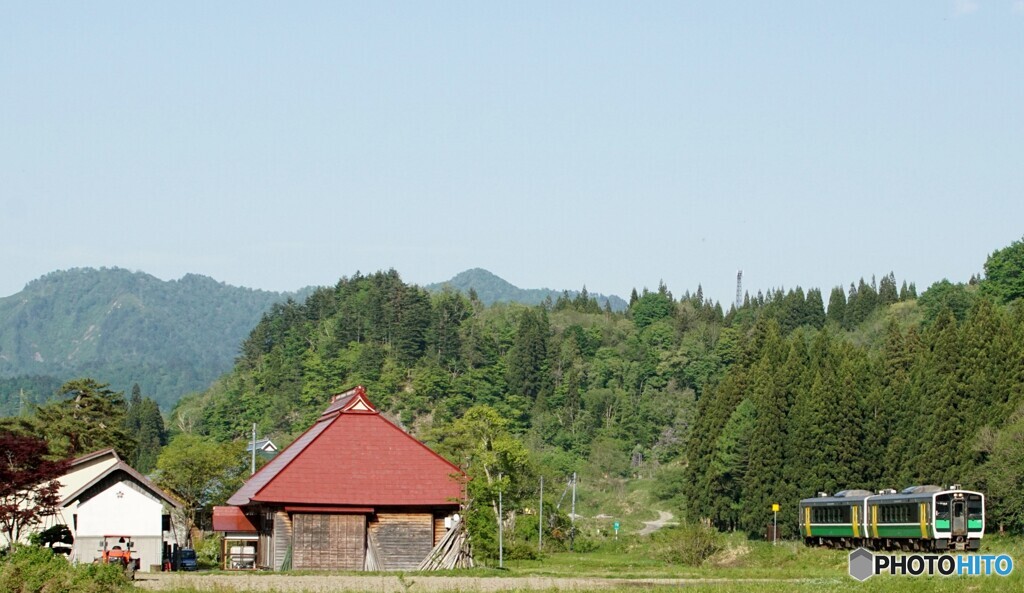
918	518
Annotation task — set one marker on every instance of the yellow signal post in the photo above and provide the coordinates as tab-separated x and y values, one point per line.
775	523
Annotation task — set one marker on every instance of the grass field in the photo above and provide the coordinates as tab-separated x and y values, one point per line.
629	565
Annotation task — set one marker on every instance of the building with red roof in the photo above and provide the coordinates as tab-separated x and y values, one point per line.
352	491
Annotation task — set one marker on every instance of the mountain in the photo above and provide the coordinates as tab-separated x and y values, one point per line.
492	289
122	327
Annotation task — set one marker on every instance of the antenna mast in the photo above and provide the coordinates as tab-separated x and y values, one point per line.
739	289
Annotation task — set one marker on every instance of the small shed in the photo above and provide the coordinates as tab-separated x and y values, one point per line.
238	549
353	491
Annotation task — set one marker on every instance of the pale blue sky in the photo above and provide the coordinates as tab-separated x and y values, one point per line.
277	145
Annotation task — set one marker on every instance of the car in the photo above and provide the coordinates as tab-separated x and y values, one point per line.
187	559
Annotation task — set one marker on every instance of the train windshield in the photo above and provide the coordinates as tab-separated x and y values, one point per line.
942	507
975	509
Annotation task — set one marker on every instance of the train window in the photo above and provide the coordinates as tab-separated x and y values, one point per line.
975	508
958	511
942	507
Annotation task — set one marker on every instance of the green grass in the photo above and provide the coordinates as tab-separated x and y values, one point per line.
741	566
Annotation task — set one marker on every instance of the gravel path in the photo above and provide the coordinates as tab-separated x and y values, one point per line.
376	584
664	519
229	583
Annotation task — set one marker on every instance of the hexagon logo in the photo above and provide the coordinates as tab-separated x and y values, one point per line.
862	564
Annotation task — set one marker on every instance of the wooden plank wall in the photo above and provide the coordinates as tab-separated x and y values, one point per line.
404	539
439	529
328	541
282	538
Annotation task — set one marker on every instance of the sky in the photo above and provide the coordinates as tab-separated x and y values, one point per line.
614	145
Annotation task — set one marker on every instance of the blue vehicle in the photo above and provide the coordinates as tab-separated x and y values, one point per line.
187	559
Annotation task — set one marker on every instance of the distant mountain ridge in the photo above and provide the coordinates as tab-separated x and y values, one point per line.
122	327
171	337
491	289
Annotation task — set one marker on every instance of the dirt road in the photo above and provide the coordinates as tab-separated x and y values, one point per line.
664	519
377	584
227	583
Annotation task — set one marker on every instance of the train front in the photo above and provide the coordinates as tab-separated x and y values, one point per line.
959	520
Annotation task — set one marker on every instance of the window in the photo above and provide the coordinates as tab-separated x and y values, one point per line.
898	513
975	507
831	514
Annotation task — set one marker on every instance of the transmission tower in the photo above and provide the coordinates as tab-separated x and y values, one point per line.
739	289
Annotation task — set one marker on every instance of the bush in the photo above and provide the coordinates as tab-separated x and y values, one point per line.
208	551
522	551
689	545
28	569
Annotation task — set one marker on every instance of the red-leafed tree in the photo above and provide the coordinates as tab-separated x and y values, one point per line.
28	482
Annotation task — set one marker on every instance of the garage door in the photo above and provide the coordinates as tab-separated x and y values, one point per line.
328	542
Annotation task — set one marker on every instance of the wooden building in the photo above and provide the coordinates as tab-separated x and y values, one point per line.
353	492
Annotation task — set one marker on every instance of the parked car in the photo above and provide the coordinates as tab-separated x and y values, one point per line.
188	559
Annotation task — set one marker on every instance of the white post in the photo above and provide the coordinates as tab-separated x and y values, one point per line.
775	528
540	518
572	516
253	467
501	541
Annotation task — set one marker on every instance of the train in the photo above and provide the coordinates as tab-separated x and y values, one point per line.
918	518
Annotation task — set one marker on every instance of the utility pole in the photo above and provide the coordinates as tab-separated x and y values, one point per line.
253	467
501	535
540	518
572	516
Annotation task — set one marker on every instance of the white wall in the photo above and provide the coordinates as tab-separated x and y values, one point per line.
120	509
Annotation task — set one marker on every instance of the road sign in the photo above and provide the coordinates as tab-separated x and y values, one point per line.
775	508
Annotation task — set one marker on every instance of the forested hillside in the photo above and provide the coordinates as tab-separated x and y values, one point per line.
732	411
125	327
491	289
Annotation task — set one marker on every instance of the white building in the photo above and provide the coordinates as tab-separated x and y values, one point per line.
103	496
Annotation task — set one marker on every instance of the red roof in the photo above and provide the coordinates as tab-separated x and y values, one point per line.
231	519
353	456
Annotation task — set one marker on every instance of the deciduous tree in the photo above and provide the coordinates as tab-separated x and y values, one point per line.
28	482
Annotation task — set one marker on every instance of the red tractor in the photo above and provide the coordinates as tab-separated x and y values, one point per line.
117	549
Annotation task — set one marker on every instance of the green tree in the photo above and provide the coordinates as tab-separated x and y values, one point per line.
494	460
887	293
958	298
651	307
729	464
837	306
143	420
527	360
87	417
1004	273
1002	475
763	480
200	472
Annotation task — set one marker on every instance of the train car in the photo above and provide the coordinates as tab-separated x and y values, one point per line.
918	518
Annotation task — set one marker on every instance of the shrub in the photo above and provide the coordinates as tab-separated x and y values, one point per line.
208	551
29	569
689	545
